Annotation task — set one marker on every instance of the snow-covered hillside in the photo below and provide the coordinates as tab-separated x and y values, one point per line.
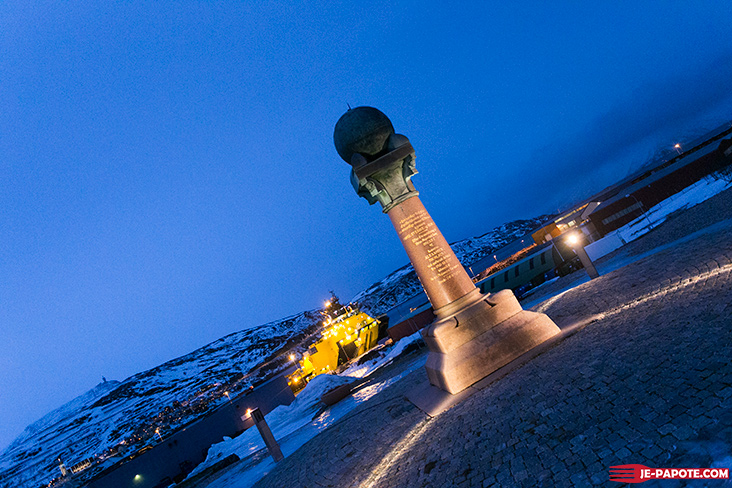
121	417
115	418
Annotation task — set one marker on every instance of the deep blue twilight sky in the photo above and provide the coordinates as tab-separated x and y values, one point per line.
168	176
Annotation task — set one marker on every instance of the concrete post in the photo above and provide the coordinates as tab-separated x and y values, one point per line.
587	262
266	433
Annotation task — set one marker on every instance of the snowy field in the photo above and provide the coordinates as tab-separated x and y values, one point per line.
306	417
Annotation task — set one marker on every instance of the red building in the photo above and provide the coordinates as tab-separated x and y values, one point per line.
657	184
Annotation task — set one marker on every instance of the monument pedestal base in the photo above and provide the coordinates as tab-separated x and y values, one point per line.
477	334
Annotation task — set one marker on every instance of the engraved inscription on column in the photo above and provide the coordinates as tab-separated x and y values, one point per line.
420	229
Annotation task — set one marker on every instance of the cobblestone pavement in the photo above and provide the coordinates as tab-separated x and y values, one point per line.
647	382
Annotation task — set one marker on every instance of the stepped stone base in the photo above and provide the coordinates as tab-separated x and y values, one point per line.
477	334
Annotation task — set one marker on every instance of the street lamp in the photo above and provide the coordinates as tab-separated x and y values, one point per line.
678	148
575	241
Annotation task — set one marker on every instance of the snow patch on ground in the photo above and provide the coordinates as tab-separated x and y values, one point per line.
368	367
690	196
655	216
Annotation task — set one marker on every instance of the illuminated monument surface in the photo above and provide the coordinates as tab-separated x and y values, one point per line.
473	334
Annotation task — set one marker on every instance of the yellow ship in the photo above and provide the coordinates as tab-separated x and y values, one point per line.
347	334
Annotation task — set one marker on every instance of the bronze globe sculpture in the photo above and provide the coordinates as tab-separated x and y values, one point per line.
362	130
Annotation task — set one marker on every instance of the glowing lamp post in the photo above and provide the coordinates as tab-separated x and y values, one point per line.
678	148
576	242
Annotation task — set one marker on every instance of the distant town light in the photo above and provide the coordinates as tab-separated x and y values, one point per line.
292	357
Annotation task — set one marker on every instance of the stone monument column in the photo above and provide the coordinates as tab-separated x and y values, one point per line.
473	334
443	277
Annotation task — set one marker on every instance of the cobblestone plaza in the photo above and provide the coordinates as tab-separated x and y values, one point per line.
647	380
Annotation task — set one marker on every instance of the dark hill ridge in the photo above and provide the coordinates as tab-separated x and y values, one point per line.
121	417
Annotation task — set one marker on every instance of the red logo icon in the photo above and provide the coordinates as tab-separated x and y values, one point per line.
637	473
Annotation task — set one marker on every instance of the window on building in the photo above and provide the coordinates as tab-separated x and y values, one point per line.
622	213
